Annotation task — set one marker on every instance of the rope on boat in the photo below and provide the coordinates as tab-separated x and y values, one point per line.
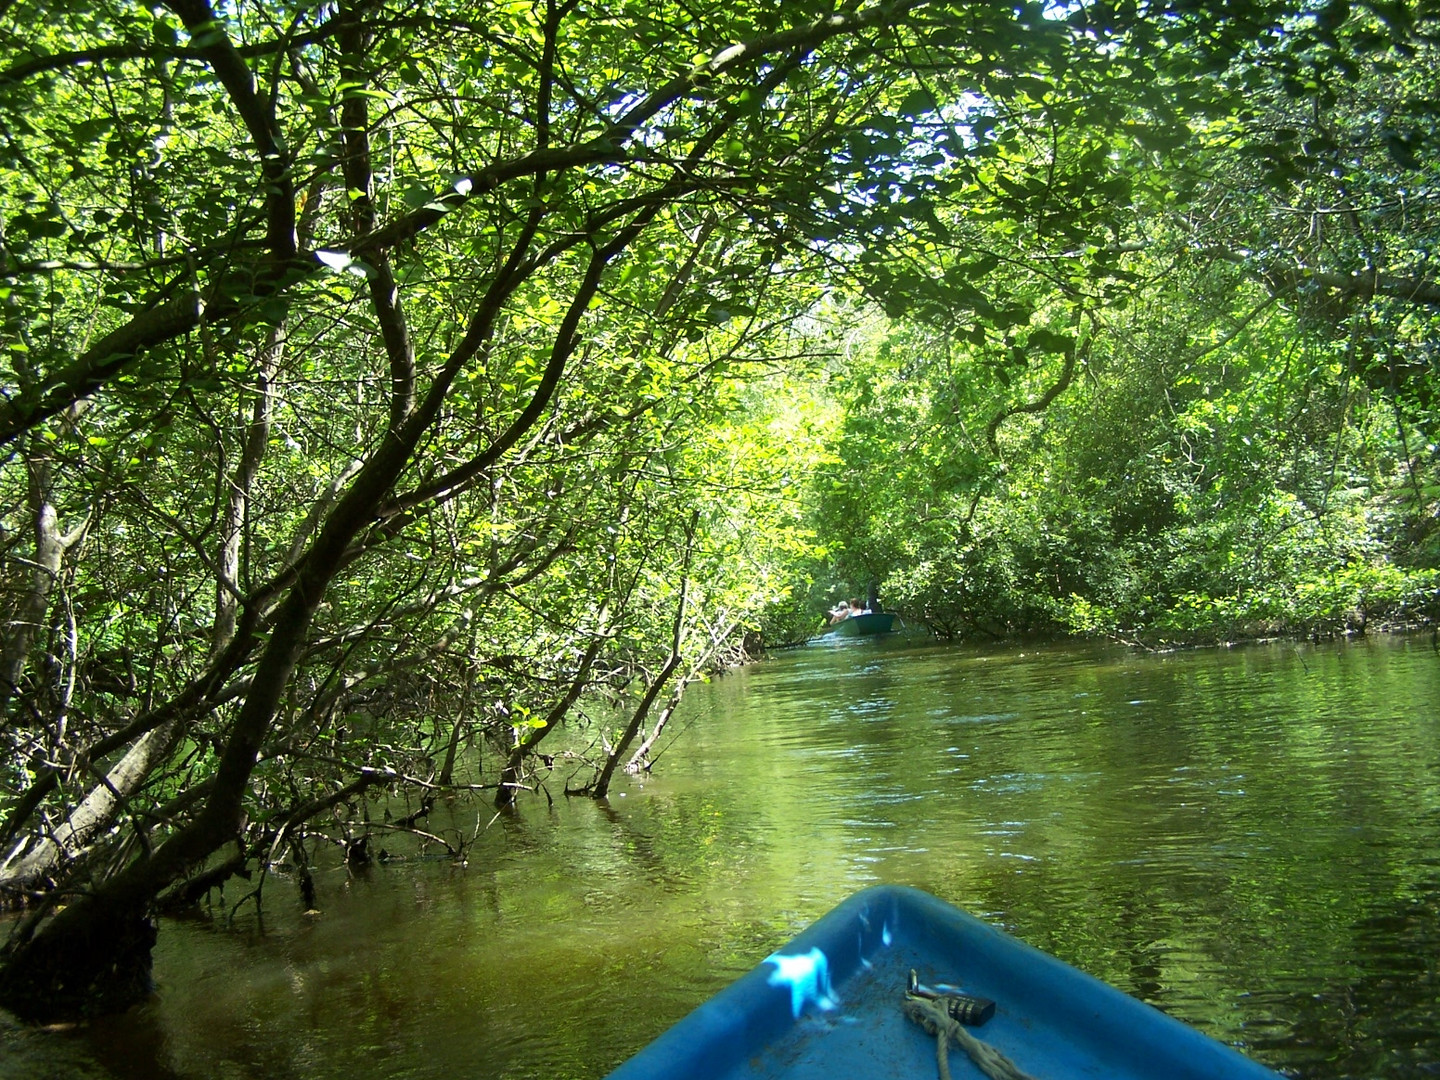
933	1017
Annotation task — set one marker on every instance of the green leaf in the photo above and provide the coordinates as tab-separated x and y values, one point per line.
1050	342
918	103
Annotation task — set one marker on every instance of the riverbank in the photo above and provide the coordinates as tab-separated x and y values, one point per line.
1155	641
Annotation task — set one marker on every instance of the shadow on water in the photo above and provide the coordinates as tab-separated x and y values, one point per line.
1248	839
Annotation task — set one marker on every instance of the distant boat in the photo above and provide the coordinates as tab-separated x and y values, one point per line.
877	622
839	1003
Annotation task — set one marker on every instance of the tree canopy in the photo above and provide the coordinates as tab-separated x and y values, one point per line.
388	385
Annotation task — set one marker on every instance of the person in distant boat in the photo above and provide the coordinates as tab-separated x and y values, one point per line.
856	608
839	613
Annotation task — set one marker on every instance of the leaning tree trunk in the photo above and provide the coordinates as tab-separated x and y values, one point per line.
640	759
95	812
94	955
601	787
511	775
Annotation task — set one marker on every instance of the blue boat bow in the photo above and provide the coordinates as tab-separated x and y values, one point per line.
828	1007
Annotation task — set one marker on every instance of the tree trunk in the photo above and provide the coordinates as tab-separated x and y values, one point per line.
642	711
33	608
238	486
510	776
94	814
94	955
641	758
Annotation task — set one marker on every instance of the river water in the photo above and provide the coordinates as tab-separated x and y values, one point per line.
1248	839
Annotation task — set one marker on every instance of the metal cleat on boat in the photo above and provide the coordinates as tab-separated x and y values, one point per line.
960	1006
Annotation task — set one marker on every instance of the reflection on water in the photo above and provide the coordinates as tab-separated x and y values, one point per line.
1248	839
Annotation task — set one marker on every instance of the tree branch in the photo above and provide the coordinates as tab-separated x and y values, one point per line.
359	181
257	113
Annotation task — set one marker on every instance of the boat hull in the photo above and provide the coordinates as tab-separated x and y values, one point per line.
879	622
828	1007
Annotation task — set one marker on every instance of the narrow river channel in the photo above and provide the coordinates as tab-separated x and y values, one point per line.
1248	839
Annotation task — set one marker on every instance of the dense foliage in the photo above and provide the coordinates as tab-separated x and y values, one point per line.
388	385
1207	411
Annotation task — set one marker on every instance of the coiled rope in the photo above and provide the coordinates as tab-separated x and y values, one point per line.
931	1015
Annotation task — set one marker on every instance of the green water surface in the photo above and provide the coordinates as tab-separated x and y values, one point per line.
1248	839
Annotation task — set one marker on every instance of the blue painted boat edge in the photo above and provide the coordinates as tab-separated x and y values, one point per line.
745	1017
753	1011
1090	1009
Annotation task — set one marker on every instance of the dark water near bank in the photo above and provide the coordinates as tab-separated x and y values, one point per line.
1248	839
